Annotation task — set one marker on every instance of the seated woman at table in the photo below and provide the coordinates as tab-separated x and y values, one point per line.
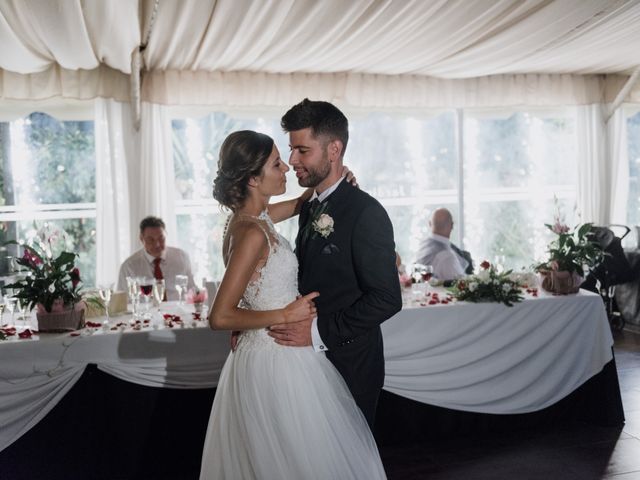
279	412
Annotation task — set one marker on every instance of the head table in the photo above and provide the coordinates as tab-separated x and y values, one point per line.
485	357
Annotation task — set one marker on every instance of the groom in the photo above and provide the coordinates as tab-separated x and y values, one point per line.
346	251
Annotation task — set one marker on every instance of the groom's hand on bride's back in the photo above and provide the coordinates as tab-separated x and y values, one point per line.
299	314
292	334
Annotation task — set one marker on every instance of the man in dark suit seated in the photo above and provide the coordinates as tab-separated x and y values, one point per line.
448	261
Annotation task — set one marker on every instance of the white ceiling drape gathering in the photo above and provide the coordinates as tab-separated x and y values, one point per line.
360	54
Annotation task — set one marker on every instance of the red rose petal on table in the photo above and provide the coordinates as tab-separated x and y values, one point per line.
432	302
25	334
74	334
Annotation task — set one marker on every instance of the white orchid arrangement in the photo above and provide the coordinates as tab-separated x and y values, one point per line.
489	285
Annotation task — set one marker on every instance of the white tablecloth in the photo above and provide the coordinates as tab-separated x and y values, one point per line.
474	357
491	358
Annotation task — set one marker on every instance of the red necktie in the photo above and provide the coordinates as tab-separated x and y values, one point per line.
157	271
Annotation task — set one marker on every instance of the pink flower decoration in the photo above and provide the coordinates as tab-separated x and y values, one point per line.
196	296
75	277
31	258
559	228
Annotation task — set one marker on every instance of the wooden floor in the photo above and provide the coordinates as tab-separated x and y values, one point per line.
580	452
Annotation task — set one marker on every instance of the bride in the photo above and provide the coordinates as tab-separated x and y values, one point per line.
279	412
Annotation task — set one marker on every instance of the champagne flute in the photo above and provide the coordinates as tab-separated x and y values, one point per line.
132	291
181	286
10	304
21	309
2	306
158	291
105	295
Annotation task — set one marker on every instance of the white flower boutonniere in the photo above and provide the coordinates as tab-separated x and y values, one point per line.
323	225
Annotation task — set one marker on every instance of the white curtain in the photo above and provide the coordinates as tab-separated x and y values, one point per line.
116	147
593	171
618	155
154	180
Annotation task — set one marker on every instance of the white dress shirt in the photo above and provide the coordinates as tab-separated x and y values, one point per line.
446	263
174	261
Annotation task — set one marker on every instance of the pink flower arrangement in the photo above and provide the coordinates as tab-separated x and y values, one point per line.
197	295
49	276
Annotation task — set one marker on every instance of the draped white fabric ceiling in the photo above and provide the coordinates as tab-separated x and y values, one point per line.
440	38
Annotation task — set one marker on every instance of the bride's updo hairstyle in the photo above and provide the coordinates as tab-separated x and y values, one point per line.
242	156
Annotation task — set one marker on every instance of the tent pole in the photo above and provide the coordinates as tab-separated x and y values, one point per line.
622	94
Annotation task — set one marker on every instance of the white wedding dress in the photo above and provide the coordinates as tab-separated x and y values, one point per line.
284	412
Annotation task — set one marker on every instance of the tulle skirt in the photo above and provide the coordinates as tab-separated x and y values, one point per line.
285	413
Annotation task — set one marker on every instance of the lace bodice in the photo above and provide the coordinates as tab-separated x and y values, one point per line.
276	287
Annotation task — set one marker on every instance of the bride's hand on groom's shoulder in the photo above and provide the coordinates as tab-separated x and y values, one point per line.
351	178
302	308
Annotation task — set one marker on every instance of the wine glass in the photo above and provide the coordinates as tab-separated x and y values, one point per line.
426	272
105	295
2	306
158	291
146	291
181	286
10	304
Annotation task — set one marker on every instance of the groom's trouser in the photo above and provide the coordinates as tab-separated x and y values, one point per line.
368	402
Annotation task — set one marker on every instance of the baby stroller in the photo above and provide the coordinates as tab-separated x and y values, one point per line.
614	270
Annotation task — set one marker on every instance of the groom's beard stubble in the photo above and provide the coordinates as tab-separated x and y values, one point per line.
317	175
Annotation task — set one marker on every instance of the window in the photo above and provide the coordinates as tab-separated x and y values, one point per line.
633	209
201	221
513	165
47	175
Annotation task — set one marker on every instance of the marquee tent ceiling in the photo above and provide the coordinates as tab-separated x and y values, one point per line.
437	38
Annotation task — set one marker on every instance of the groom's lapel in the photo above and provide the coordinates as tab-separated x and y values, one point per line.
304	217
337	203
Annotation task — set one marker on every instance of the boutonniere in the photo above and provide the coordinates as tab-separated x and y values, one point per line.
323	225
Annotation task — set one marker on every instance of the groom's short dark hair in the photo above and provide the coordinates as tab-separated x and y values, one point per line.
323	118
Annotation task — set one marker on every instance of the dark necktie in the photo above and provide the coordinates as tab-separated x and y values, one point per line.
315	203
306	229
157	271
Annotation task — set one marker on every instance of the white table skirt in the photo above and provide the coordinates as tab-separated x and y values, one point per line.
474	357
490	358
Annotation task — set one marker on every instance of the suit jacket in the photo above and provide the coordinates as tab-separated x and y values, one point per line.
355	272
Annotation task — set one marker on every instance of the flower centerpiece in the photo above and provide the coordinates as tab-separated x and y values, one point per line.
489	285
197	297
569	252
51	282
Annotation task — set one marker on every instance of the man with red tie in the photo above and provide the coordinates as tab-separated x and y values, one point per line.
156	260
